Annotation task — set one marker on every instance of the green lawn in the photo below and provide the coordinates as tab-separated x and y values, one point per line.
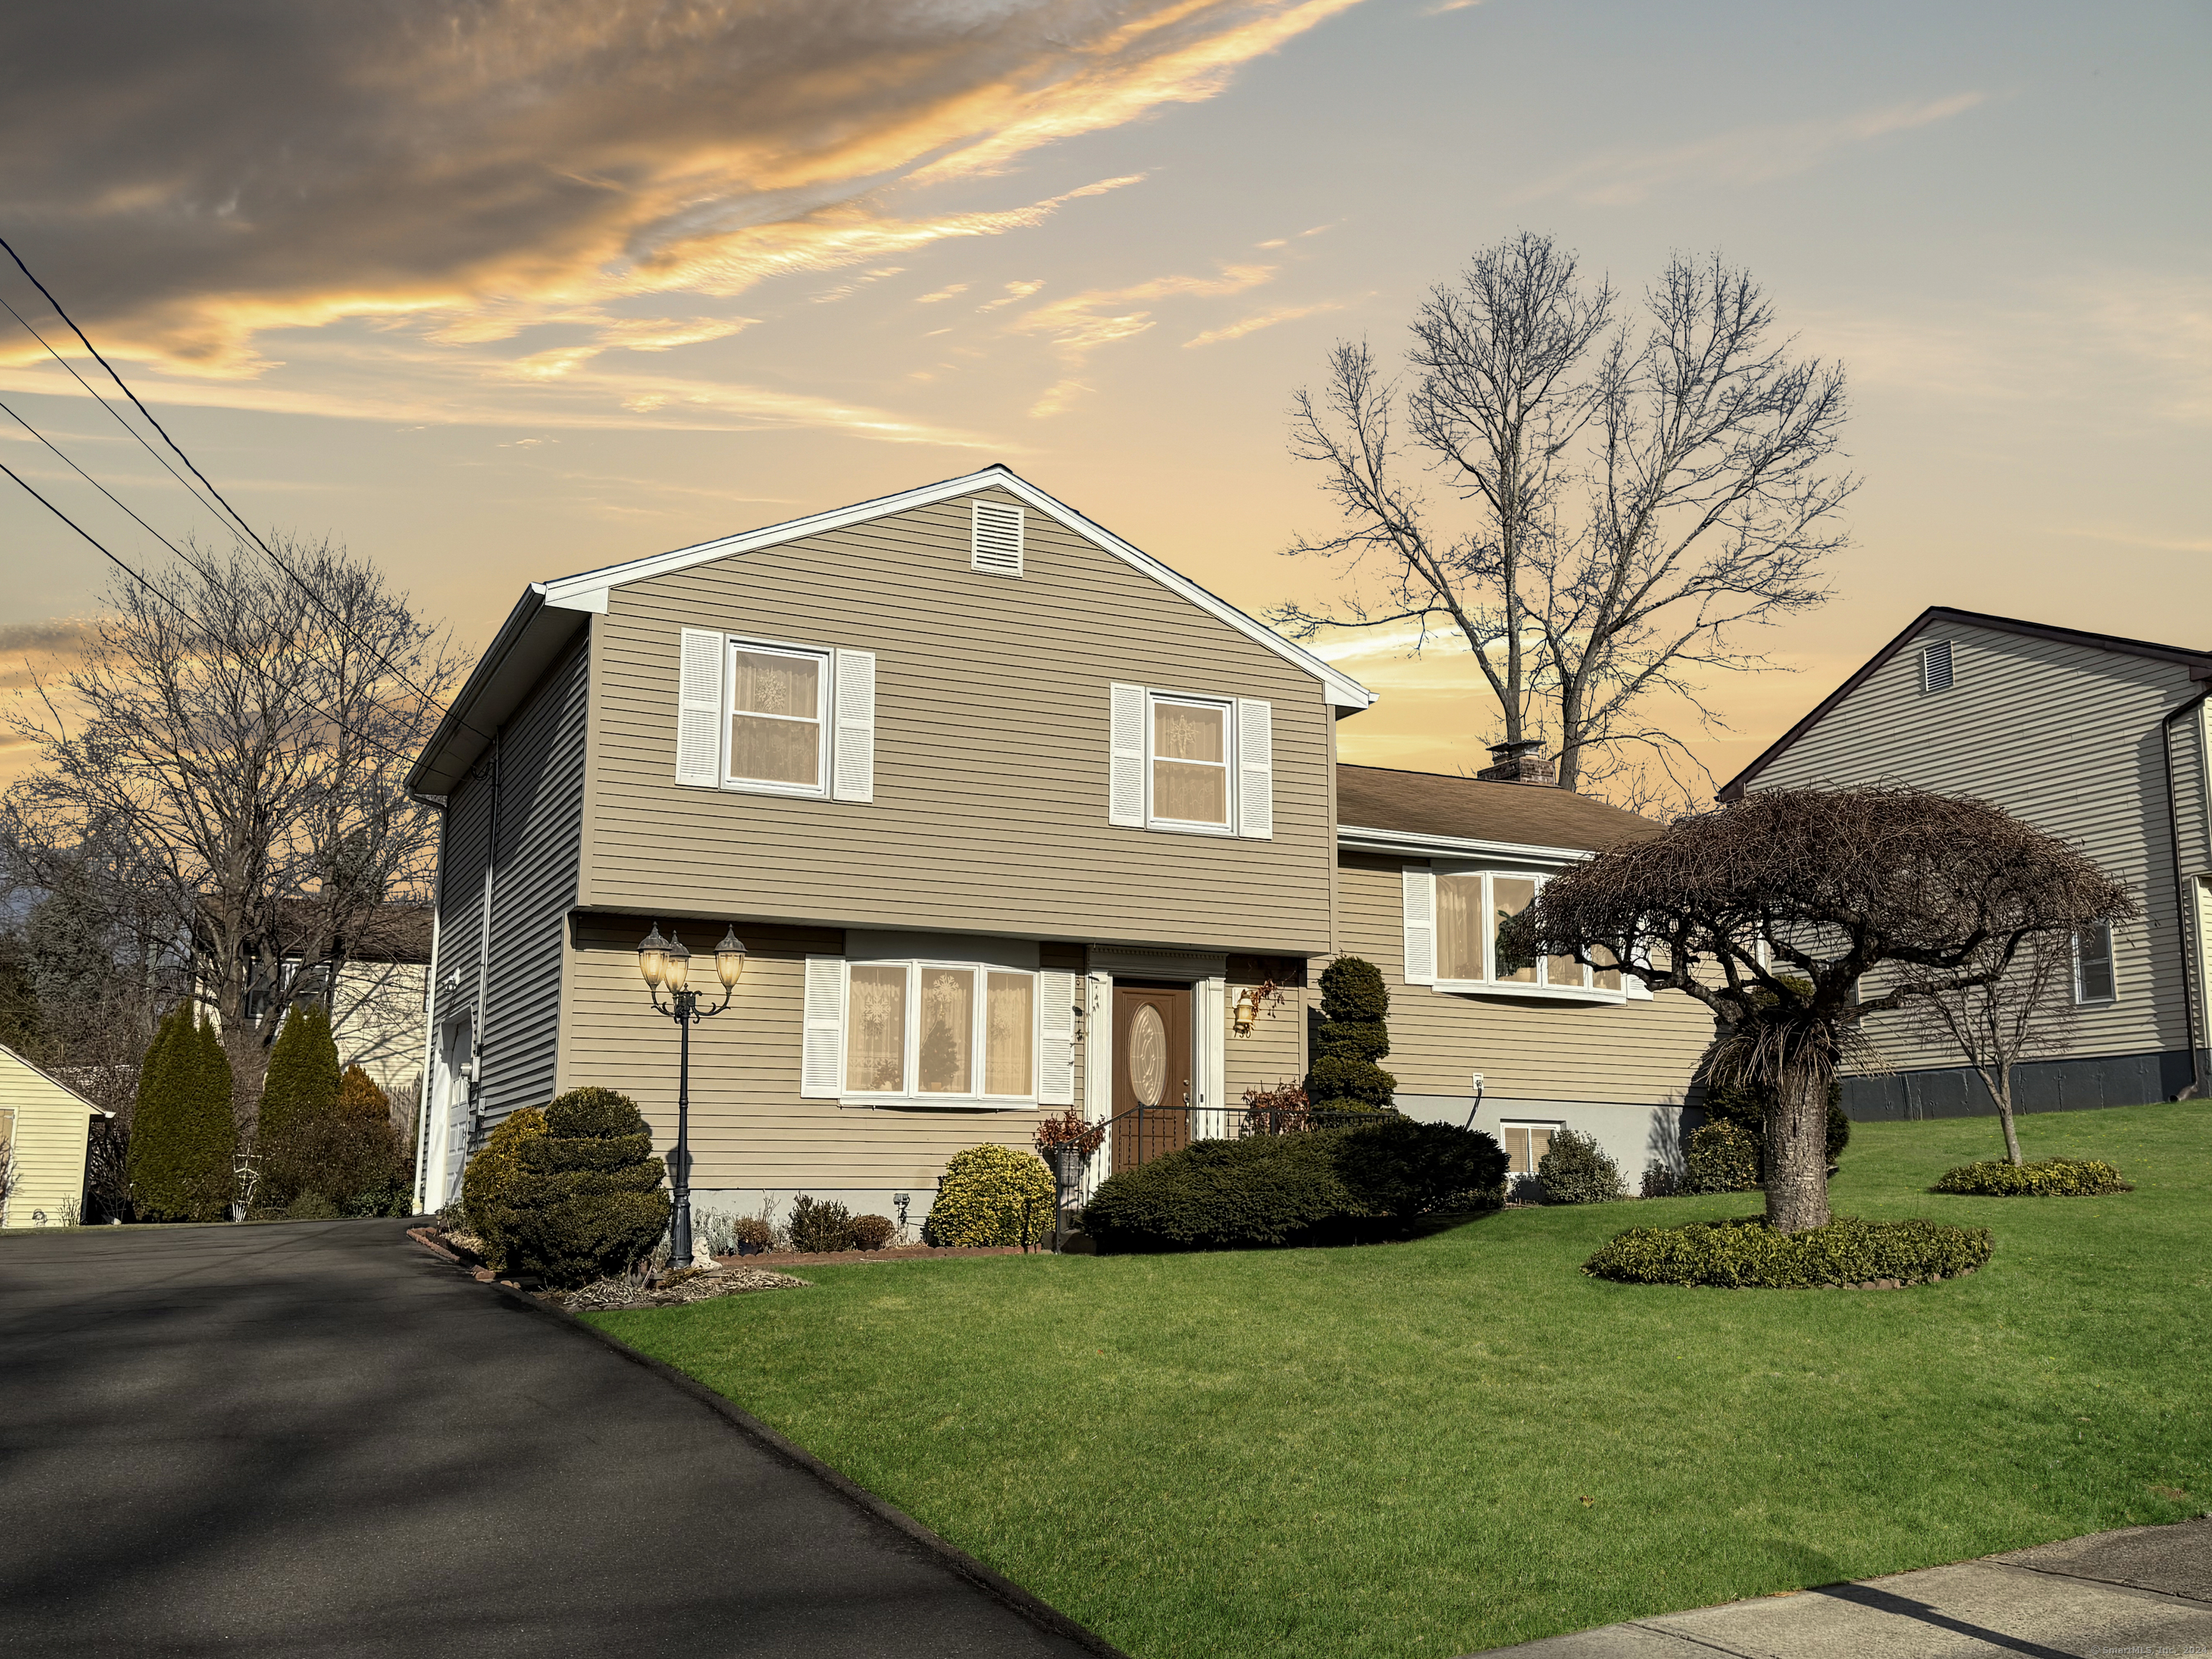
1458	1442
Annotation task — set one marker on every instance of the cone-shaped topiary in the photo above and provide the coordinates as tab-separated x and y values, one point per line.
301	1093
182	1136
991	1194
588	1202
486	1183
1348	1036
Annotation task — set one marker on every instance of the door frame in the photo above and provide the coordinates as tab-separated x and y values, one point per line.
1207	975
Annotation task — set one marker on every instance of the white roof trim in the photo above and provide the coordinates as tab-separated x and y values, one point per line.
48	1076
587	591
1412	845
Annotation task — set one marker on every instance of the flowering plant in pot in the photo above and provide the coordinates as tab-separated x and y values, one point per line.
1065	1141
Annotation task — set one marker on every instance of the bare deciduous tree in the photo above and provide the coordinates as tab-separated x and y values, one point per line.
1637	502
234	753
1771	912
2022	1013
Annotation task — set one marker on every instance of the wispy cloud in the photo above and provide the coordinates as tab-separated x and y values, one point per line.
1079	325
1254	324
1741	156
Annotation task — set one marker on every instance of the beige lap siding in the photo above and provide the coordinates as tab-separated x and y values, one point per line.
1640	1053
47	1128
1272	1052
991	750
749	1128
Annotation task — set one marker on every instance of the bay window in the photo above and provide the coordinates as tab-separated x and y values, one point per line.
1456	916
940	1033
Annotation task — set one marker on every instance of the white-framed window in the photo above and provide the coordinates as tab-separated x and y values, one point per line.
1525	1145
925	1033
1454	915
1191	762
2094	980
774	717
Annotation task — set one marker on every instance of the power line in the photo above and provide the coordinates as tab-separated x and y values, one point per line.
190	621
304	586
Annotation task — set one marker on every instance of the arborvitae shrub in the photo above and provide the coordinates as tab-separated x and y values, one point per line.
2055	1177
486	1183
1349	1034
819	1225
1746	1252
991	1194
1404	1168
298	1098
588	1200
1721	1157
183	1137
872	1232
1574	1171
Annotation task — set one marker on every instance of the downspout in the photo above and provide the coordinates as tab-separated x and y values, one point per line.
423	1088
2184	903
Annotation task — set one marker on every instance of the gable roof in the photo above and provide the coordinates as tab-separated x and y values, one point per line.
530	638
1375	806
44	1076
2198	662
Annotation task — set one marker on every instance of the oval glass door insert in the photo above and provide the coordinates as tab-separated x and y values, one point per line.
1148	1056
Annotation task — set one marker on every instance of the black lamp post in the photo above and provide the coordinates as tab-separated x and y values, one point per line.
667	965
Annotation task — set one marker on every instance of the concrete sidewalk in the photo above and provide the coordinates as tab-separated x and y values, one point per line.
2145	1593
316	1438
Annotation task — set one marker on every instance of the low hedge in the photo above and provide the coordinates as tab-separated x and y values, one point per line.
2055	1177
1744	1253
1309	1187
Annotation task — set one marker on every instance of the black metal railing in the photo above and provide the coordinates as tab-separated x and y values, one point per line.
1142	1133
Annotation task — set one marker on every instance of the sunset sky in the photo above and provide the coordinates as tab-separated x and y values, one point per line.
498	292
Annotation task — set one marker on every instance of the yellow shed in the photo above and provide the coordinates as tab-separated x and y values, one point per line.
43	1127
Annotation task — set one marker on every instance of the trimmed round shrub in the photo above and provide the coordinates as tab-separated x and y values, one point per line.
819	1226
1721	1157
2054	1177
1403	1168
752	1234
872	1232
1746	1252
1574	1171
587	1199
1223	1194
490	1175
1348	1037
992	1194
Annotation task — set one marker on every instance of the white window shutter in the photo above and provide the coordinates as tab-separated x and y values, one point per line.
1056	994
1420	889
852	753
699	710
821	1051
1255	769
1125	803
994	537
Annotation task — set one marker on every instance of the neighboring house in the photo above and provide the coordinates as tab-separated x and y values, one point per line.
379	994
44	1126
2100	741
1007	812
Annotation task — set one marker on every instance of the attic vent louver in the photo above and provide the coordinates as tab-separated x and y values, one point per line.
994	541
1936	667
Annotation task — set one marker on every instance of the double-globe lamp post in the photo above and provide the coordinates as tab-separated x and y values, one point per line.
666	966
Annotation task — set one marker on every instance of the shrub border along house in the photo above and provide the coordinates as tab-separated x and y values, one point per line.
1744	1253
2054	1177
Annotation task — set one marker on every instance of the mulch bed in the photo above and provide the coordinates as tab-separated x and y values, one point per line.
890	1253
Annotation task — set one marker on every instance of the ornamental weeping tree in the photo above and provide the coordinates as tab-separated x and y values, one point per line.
1775	911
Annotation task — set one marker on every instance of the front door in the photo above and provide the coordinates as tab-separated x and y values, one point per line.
1152	1072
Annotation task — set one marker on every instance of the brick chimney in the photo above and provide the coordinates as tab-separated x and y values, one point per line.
1524	761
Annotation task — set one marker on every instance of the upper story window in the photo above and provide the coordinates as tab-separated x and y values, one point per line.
1191	762
2093	978
773	717
776	736
1936	667
1454	916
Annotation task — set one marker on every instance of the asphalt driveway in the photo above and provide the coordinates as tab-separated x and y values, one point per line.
316	1439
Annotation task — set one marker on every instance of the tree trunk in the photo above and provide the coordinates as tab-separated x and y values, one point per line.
1797	1155
2004	1116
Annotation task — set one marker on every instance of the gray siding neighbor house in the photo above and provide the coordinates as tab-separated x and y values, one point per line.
2102	742
1007	814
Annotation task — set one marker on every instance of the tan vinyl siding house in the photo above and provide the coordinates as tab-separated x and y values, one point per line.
978	784
2100	741
44	1126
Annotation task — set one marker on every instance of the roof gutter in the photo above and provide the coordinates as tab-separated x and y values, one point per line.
1410	844
456	720
2184	907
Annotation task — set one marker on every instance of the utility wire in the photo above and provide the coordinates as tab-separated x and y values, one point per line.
304	586
190	621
